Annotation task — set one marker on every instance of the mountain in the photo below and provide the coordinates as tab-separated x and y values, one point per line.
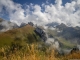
69	33
6	25
25	34
68	37
16	39
22	24
53	24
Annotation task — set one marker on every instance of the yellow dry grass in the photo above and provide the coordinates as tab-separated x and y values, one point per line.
30	53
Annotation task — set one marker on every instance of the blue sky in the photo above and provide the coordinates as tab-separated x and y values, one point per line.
38	1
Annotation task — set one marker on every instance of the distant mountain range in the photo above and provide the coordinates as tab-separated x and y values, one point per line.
69	33
68	37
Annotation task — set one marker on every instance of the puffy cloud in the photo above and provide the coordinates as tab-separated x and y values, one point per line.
52	43
68	14
58	4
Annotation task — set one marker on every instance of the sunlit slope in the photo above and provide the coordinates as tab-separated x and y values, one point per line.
25	33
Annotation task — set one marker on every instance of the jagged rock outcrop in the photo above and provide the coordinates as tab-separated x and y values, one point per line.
23	24
74	50
41	33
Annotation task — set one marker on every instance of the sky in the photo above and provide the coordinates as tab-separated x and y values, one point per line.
41	12
38	1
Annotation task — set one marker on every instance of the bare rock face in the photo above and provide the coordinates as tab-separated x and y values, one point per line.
74	50
22	24
53	24
31	23
41	33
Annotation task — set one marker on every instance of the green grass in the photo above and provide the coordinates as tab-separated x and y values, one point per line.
25	33
5	41
66	44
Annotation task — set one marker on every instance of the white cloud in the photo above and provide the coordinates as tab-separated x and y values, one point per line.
47	13
52	43
58	4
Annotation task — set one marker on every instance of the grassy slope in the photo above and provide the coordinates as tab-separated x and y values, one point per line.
63	41
66	44
22	33
30	52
